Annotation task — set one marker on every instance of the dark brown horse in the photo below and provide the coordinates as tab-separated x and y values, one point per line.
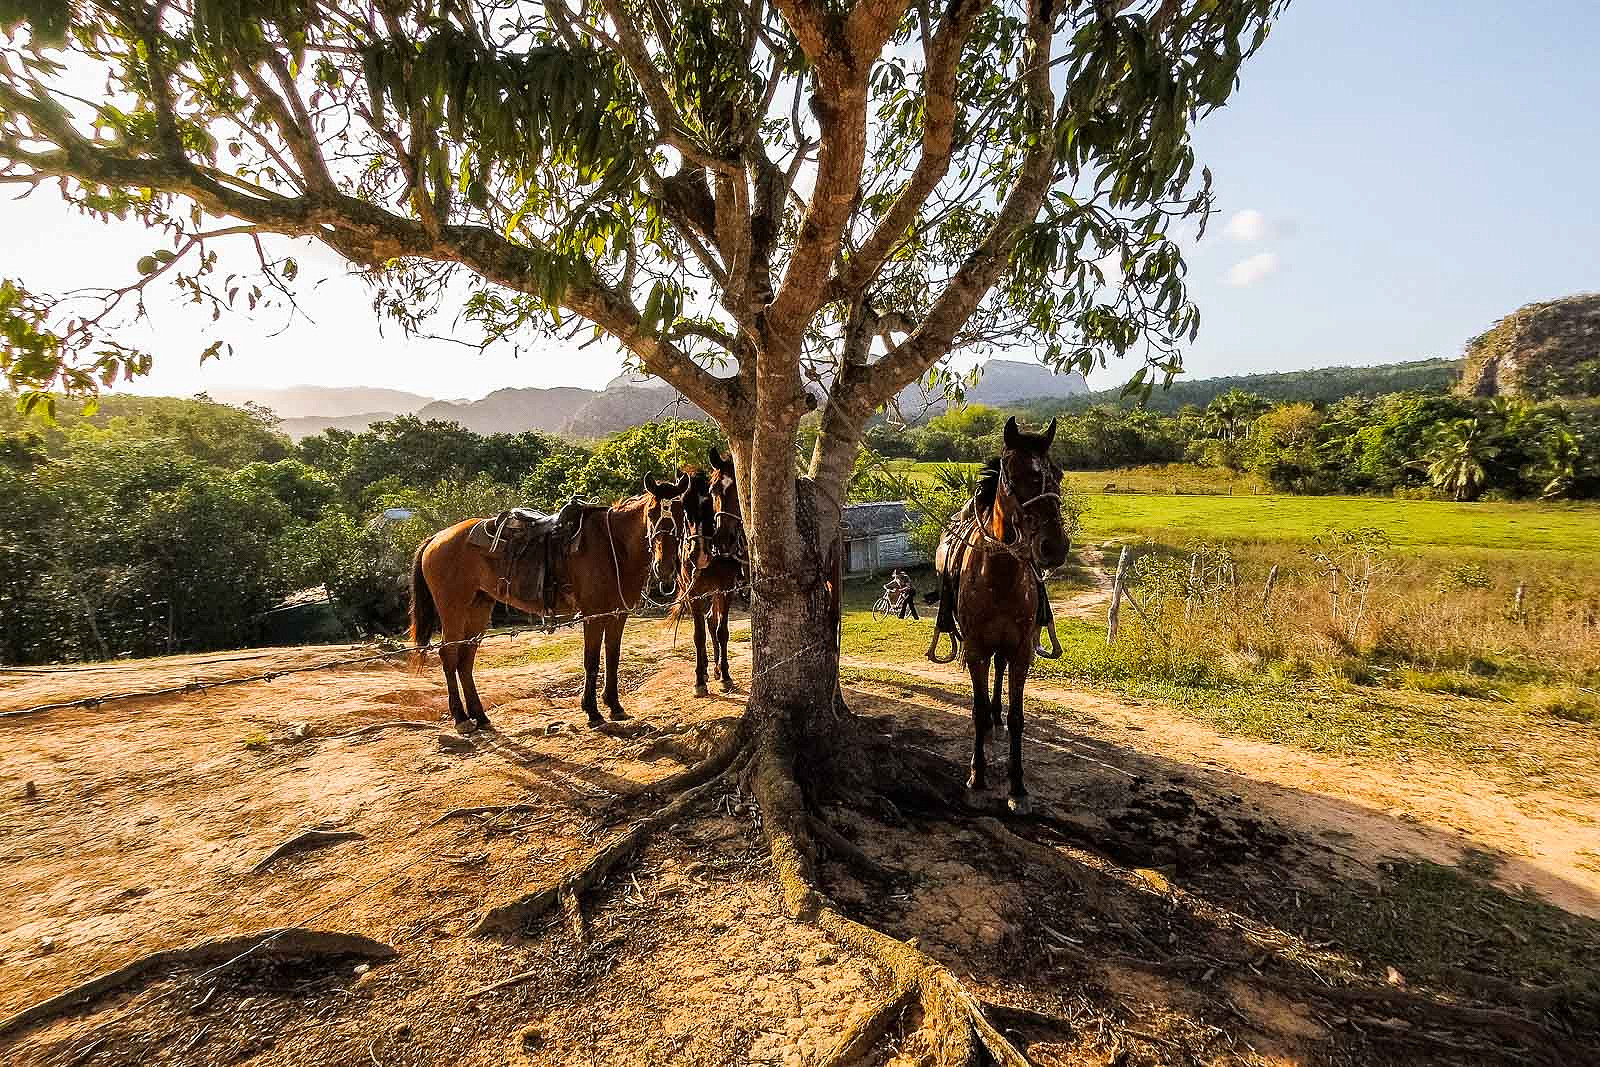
454	587
992	557
715	562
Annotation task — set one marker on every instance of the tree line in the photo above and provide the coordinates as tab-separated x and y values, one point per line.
158	525
1419	443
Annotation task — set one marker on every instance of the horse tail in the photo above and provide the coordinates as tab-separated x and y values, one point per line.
424	613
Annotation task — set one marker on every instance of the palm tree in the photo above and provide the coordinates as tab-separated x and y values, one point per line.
1229	415
1460	458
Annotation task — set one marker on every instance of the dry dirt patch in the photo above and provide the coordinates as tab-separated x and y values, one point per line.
1088	929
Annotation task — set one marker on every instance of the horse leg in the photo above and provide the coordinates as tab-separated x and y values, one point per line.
721	607
477	622
700	689
613	654
979	666
593	630
449	660
994	703
1017	798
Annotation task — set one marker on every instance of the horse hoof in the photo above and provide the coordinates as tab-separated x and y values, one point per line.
700	690
1019	805
483	722
727	685
618	715
595	721
466	726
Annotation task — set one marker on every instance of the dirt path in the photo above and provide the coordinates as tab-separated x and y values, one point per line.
135	827
1365	811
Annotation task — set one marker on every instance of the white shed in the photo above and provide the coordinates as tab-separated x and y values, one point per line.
877	537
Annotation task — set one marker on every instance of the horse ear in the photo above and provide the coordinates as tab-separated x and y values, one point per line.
1049	435
681	484
652	486
1013	435
715	457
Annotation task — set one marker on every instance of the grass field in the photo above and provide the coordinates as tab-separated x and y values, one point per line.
1443	666
1203	510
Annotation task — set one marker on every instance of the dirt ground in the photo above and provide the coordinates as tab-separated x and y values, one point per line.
1180	897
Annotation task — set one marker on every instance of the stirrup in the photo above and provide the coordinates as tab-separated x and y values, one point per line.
1055	651
933	648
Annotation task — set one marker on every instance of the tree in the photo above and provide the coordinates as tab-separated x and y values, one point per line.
1461	456
769	190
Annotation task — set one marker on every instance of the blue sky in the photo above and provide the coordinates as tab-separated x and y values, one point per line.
1391	178
1418	170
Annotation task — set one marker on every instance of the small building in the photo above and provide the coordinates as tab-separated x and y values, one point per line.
877	537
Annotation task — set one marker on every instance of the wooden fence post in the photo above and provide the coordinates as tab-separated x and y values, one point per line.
1116	596
1266	597
1193	587
1522	592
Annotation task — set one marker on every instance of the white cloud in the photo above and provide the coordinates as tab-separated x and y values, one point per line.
1250	270
1246	225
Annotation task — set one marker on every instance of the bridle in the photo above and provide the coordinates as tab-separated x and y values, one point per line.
662	527
1030	528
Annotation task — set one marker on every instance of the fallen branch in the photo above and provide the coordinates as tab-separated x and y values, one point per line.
599	863
305	841
396	724
289	942
506	983
482	809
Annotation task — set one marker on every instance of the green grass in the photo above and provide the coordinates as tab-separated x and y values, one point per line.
1155	512
1318	713
1506	527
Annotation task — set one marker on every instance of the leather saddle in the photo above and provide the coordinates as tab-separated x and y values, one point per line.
531	548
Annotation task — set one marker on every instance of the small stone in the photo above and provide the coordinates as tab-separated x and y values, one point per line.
554	728
362	968
299	731
452	743
403	1030
47	945
29	790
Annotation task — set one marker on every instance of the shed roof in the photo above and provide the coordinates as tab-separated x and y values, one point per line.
875	517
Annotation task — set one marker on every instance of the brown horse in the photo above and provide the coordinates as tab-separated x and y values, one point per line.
1009	532
454	587
715	561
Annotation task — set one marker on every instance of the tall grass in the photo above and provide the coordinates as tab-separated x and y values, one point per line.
1351	607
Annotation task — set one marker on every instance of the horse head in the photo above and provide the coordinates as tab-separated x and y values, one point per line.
726	532
667	526
1033	482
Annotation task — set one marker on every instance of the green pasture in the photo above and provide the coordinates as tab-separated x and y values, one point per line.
1204	510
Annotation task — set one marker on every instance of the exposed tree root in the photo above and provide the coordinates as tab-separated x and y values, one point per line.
722	754
953	1019
1090	883
287	943
848	851
600	862
395	724
305	841
854	1044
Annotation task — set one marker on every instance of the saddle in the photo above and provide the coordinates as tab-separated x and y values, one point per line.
531	548
948	560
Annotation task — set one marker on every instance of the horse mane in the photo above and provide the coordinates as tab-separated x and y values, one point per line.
988	484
